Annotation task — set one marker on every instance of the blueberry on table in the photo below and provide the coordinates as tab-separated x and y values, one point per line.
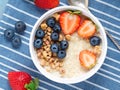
51	22
54	48
95	40
57	28
38	43
20	27
61	54
8	34
40	33
16	41
55	36
64	44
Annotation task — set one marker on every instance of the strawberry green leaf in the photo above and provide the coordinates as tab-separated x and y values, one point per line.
36	81
76	12
33	85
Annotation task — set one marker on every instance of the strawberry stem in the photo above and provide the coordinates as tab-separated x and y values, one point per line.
74	12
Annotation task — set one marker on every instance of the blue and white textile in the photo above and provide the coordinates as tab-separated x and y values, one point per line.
108	77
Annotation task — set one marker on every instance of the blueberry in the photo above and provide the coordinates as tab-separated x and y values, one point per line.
55	36
64	44
16	41
51	22
54	48
95	40
61	54
57	28
20	27
40	33
8	33
38	43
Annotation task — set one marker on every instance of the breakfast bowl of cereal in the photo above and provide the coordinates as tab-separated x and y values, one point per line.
68	44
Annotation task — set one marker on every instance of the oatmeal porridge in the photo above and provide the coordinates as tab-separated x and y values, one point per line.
68	44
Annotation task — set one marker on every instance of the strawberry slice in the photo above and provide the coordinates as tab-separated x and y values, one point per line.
69	22
22	81
87	59
86	29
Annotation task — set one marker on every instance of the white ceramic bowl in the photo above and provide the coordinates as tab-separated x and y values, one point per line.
68	80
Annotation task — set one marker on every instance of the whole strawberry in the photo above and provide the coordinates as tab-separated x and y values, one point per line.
22	81
46	4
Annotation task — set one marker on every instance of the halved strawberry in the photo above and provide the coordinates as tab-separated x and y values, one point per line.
86	29
87	59
69	22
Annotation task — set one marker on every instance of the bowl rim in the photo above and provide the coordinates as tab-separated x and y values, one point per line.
67	80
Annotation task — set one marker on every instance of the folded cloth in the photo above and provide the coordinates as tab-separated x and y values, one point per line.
108	77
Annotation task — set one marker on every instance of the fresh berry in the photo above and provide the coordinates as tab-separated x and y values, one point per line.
61	54
87	29
16	41
38	43
51	22
64	44
18	80
46	4
87	59
20	27
54	48
55	36
95	40
8	34
69	22
40	33
57	28
22	81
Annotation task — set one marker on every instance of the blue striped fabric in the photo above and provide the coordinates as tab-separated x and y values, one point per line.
108	77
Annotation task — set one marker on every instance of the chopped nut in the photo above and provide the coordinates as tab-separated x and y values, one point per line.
61	37
52	66
44	39
48	34
47	42
57	64
39	54
49	38
49	54
57	16
97	50
61	64
41	57
48	46
54	54
62	71
68	37
51	60
45	54
49	29
42	62
43	26
47	49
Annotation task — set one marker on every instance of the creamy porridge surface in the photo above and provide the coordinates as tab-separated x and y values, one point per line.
71	61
